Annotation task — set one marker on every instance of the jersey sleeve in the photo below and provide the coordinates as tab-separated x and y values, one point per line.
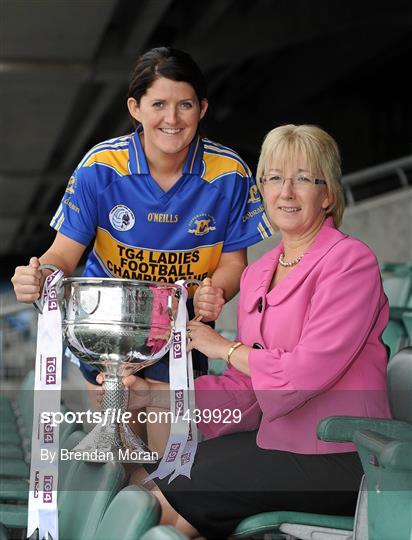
76	216
248	223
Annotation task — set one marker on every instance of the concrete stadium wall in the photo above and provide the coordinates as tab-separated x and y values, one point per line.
384	223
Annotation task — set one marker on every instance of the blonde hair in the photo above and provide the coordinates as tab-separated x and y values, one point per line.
288	143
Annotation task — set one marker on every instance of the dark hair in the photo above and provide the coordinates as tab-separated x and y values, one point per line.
169	63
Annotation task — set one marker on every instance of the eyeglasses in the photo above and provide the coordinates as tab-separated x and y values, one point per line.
299	181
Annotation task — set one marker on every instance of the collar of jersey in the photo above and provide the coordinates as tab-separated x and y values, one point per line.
138	162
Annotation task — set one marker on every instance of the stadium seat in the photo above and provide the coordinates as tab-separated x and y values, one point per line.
398	289
163	532
17	489
388	469
3	533
16	414
397	283
16	432
7	404
132	512
386	458
11	451
14	465
86	492
345	429
396	268
407	321
395	336
385	450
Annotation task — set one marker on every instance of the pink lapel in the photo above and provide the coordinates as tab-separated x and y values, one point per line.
328	236
259	278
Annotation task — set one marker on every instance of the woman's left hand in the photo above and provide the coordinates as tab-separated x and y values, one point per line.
208	301
206	340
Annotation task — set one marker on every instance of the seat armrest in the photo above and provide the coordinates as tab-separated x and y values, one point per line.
342	428
396	313
391	453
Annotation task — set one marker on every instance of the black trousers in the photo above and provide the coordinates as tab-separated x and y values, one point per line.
232	478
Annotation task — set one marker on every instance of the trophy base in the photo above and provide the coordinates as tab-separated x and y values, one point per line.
115	442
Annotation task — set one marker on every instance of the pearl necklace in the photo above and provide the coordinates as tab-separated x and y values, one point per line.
282	261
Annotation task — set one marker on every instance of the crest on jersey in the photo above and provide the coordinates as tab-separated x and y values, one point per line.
71	185
202	224
121	218
254	195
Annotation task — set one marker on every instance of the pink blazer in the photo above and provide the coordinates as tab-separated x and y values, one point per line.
322	354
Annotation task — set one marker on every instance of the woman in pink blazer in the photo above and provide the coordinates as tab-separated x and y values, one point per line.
310	319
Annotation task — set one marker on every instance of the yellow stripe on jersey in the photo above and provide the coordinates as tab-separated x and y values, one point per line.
194	154
218	165
262	231
56	215
113	143
110	144
132	262
59	223
116	159
268	223
137	155
210	145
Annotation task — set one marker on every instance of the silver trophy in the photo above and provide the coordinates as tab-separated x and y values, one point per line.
119	326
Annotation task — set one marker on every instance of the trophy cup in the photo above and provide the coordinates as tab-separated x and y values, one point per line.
119	326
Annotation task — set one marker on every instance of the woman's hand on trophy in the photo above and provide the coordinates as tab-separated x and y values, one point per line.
98	391
140	394
27	280
206	340
139	391
208	301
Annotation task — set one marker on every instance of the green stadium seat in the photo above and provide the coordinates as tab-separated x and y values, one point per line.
407	321
396	267
395	336
398	289
87	491
163	532
14	468
386	451
388	470
345	429
3	533
132	512
16	433
328	527
11	451
16	489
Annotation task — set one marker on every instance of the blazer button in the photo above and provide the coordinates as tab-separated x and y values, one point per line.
257	346
260	304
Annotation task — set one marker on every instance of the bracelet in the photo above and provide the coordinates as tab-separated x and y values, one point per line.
232	350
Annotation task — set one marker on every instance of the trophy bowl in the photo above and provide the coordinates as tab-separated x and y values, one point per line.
119	326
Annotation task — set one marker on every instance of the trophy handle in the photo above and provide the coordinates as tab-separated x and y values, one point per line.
38	304
192	281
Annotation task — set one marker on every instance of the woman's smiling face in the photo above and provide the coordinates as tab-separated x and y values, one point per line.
170	113
294	202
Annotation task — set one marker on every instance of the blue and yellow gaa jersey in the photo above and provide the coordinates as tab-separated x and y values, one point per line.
142	232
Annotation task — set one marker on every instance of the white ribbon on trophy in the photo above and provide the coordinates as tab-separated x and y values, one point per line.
181	446
42	510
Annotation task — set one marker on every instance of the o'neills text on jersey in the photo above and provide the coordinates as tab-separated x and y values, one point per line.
162	218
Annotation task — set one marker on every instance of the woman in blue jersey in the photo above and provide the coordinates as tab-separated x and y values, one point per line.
159	204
